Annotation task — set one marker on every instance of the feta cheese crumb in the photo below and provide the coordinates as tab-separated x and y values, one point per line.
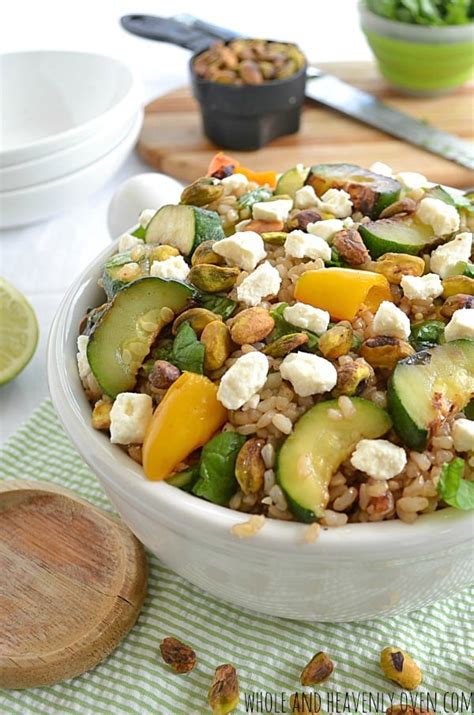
264	280
234	182
243	380
446	258
411	180
175	268
299	244
390	320
305	198
146	216
129	417
378	167
306	317
379	458
309	374
337	202
127	241
244	249
422	287
327	228
463	435
461	325
85	373
443	218
277	210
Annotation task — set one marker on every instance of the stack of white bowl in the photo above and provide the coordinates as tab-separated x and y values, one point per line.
68	121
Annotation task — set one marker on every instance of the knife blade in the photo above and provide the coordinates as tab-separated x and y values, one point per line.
195	34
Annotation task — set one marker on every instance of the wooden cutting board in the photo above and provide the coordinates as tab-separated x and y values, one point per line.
72	583
172	140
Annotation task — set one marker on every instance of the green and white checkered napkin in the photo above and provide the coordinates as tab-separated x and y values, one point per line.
268	653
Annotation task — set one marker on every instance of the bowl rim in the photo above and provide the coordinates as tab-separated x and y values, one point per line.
74	135
185	512
426	30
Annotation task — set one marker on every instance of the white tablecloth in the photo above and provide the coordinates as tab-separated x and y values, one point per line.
42	259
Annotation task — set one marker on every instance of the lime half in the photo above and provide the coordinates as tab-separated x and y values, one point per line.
18	331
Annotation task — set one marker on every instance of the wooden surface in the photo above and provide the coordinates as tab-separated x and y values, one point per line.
172	140
72	582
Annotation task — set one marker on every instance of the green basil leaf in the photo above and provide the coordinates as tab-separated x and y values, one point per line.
139	232
469	270
219	304
185	480
469	410
217	481
188	352
453	489
426	334
164	350
283	327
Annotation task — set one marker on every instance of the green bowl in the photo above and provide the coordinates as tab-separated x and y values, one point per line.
420	59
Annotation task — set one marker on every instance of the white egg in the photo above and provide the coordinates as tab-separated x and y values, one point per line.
143	191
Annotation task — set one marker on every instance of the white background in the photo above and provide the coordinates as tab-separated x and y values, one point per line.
42	260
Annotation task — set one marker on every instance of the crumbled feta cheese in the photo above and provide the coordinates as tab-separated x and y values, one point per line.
422	287
411	180
379	458
390	320
309	374
326	229
299	244
461	325
85	373
445	259
277	210
264	280
243	380
146	216
463	435
378	167
175	268
337	202
244	249
127	241
307	317
234	182
443	218
305	198
129	417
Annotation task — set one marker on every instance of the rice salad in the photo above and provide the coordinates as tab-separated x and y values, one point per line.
296	346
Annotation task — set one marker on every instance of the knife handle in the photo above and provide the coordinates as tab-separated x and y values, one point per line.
190	33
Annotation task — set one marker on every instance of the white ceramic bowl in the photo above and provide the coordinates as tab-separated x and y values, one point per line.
52	100
37	202
357	572
65	161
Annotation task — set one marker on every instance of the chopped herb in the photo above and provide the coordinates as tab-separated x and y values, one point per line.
427	334
219	304
217	480
283	327
188	351
453	489
139	232
185	480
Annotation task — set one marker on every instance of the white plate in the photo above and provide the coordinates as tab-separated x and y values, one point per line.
52	100
20	207
68	160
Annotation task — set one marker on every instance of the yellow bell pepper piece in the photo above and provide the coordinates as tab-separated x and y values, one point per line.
342	291
185	419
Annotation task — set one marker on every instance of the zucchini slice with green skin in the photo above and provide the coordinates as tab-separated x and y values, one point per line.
292	180
110	280
428	387
391	235
370	193
184	227
121	339
317	446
